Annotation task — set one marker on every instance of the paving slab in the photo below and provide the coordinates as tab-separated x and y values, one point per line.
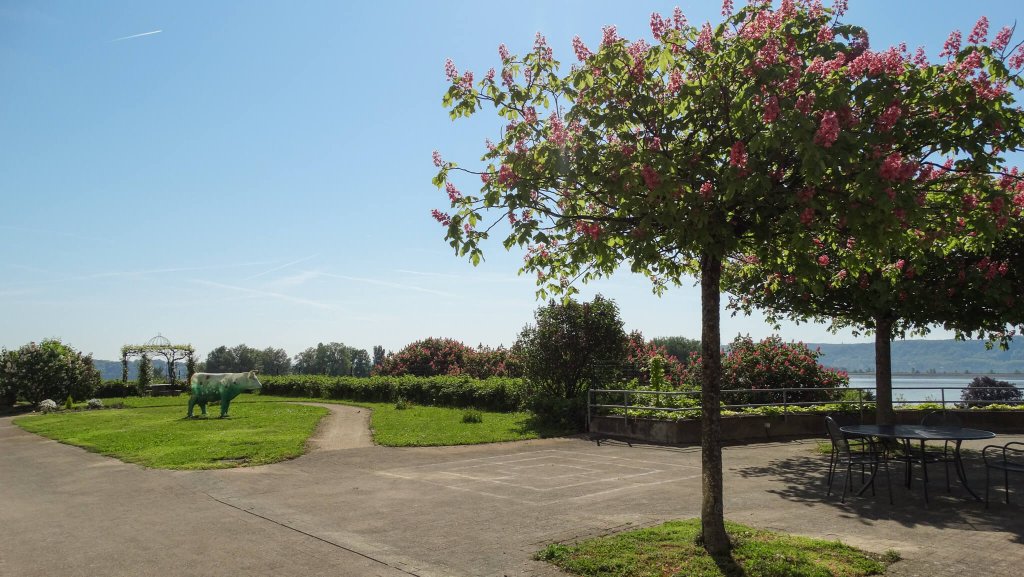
454	511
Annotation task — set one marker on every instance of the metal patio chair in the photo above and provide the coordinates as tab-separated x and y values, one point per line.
845	456
1008	458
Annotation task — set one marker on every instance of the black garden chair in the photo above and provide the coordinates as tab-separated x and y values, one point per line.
1008	458
845	456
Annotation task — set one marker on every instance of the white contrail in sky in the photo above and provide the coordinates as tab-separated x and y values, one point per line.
137	35
277	268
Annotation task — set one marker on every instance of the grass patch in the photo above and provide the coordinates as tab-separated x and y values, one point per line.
673	549
156	434
419	426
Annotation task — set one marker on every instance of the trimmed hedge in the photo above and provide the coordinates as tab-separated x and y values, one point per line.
115	388
493	394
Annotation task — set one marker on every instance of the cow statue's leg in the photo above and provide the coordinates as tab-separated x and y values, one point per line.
202	407
225	401
191	405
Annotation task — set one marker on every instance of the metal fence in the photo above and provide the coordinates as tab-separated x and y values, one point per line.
601	399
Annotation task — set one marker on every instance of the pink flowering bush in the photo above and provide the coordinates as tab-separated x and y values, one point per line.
438	356
772	364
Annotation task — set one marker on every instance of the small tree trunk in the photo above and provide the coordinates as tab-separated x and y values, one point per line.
883	371
712	516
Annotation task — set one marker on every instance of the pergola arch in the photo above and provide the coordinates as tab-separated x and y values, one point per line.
161	346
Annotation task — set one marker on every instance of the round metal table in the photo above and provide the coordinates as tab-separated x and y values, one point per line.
908	433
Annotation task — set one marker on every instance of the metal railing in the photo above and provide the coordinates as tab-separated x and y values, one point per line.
863	397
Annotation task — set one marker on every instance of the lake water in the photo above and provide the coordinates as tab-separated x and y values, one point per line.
920	388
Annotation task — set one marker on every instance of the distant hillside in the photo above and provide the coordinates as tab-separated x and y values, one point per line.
926	356
111	370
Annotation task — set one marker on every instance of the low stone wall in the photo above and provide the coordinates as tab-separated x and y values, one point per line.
763	428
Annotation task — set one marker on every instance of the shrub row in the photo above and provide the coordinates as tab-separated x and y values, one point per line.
494	394
110	389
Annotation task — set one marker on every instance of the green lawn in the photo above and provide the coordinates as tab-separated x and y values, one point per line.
672	549
152	431
159	436
419	426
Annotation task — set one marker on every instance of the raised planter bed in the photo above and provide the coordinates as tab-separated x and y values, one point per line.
761	427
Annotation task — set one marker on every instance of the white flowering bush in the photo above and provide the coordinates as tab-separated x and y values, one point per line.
94	404
47	405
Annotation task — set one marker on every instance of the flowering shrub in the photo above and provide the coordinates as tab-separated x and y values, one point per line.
639	354
772	364
434	356
49	369
94	404
47	406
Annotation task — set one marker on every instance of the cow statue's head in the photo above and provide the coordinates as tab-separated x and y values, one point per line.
252	383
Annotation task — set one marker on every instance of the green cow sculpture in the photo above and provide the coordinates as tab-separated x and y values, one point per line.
213	387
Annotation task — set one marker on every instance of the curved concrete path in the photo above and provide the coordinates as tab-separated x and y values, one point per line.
474	511
347	427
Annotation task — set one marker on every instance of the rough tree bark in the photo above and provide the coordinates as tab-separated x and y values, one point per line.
716	541
883	371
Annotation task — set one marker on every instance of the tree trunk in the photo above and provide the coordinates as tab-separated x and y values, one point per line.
716	541
883	371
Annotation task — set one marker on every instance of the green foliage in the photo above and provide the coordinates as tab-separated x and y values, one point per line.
985	391
49	369
674	548
333	359
679	347
145	373
69	403
243	358
256	434
472	416
401	404
116	388
496	394
572	347
378	356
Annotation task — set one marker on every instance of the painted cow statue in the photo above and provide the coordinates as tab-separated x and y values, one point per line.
213	387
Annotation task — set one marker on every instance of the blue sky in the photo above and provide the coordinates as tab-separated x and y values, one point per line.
259	172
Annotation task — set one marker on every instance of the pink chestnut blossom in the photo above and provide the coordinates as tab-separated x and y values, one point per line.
582	52
610	35
678	19
825	35
658	26
651	178
503	53
706	190
952	46
980	32
558	132
1002	39
727	6
738	154
889	117
805	102
771	109
823	260
453	193
1016	60
704	40
441	217
828	130
450	71
438	161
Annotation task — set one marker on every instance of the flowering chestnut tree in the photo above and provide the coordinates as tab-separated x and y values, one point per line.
772	131
970	290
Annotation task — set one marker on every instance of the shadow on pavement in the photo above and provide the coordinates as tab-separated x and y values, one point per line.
803	479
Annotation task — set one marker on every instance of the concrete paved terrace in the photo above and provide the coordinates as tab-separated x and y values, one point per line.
454	511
